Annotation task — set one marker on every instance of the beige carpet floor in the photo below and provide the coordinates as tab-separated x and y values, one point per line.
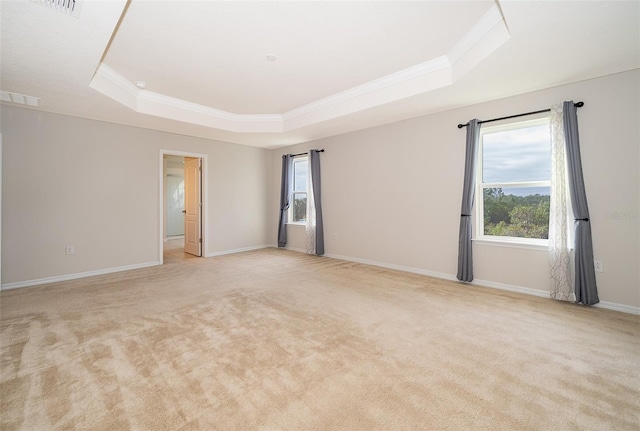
278	340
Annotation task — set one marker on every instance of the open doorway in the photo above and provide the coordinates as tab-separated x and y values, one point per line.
173	198
182	205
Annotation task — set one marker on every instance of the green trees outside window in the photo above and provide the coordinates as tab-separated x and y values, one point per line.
517	216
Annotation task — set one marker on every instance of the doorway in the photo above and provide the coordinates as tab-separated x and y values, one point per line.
174	197
183	205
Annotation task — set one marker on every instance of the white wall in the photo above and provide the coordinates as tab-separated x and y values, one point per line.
392	194
95	185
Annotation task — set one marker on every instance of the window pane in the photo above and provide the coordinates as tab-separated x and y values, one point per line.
299	207
300	175
517	211
517	155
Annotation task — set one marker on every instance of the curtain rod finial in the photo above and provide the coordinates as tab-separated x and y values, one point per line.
460	126
579	104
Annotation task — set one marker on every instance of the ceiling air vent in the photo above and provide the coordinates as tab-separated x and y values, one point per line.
7	96
68	7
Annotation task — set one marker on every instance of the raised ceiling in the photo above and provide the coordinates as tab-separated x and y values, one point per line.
322	48
339	66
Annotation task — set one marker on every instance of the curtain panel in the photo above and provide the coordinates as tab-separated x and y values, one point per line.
585	287
310	225
315	223
559	253
285	197
465	255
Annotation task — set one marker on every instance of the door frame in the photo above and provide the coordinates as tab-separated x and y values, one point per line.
203	192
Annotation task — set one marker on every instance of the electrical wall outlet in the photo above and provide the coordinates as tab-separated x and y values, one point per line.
598	265
69	249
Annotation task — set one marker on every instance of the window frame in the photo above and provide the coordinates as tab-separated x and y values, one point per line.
480	237
297	159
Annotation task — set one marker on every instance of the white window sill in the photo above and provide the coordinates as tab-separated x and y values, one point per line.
303	224
503	242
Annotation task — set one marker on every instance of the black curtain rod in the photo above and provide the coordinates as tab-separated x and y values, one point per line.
302	154
460	126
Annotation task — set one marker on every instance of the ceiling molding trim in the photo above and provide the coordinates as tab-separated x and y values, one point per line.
161	99
110	83
390	80
487	35
181	110
409	82
479	30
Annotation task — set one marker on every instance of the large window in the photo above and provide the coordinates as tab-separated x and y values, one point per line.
298	212
513	183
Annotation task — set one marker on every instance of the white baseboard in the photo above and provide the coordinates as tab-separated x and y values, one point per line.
618	307
484	283
170	238
393	266
237	250
68	277
300	250
508	287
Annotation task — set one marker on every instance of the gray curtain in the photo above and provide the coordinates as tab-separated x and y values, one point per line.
285	196
585	276
465	257
314	164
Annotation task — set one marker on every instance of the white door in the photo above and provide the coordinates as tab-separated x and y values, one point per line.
192	206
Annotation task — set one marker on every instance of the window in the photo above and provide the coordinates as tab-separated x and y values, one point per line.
298	209
513	182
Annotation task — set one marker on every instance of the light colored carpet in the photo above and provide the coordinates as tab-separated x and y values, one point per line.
278	340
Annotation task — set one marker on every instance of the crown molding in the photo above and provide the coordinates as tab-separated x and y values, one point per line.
182	110
110	83
418	79
390	80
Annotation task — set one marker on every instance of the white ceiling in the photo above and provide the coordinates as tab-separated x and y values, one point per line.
340	66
